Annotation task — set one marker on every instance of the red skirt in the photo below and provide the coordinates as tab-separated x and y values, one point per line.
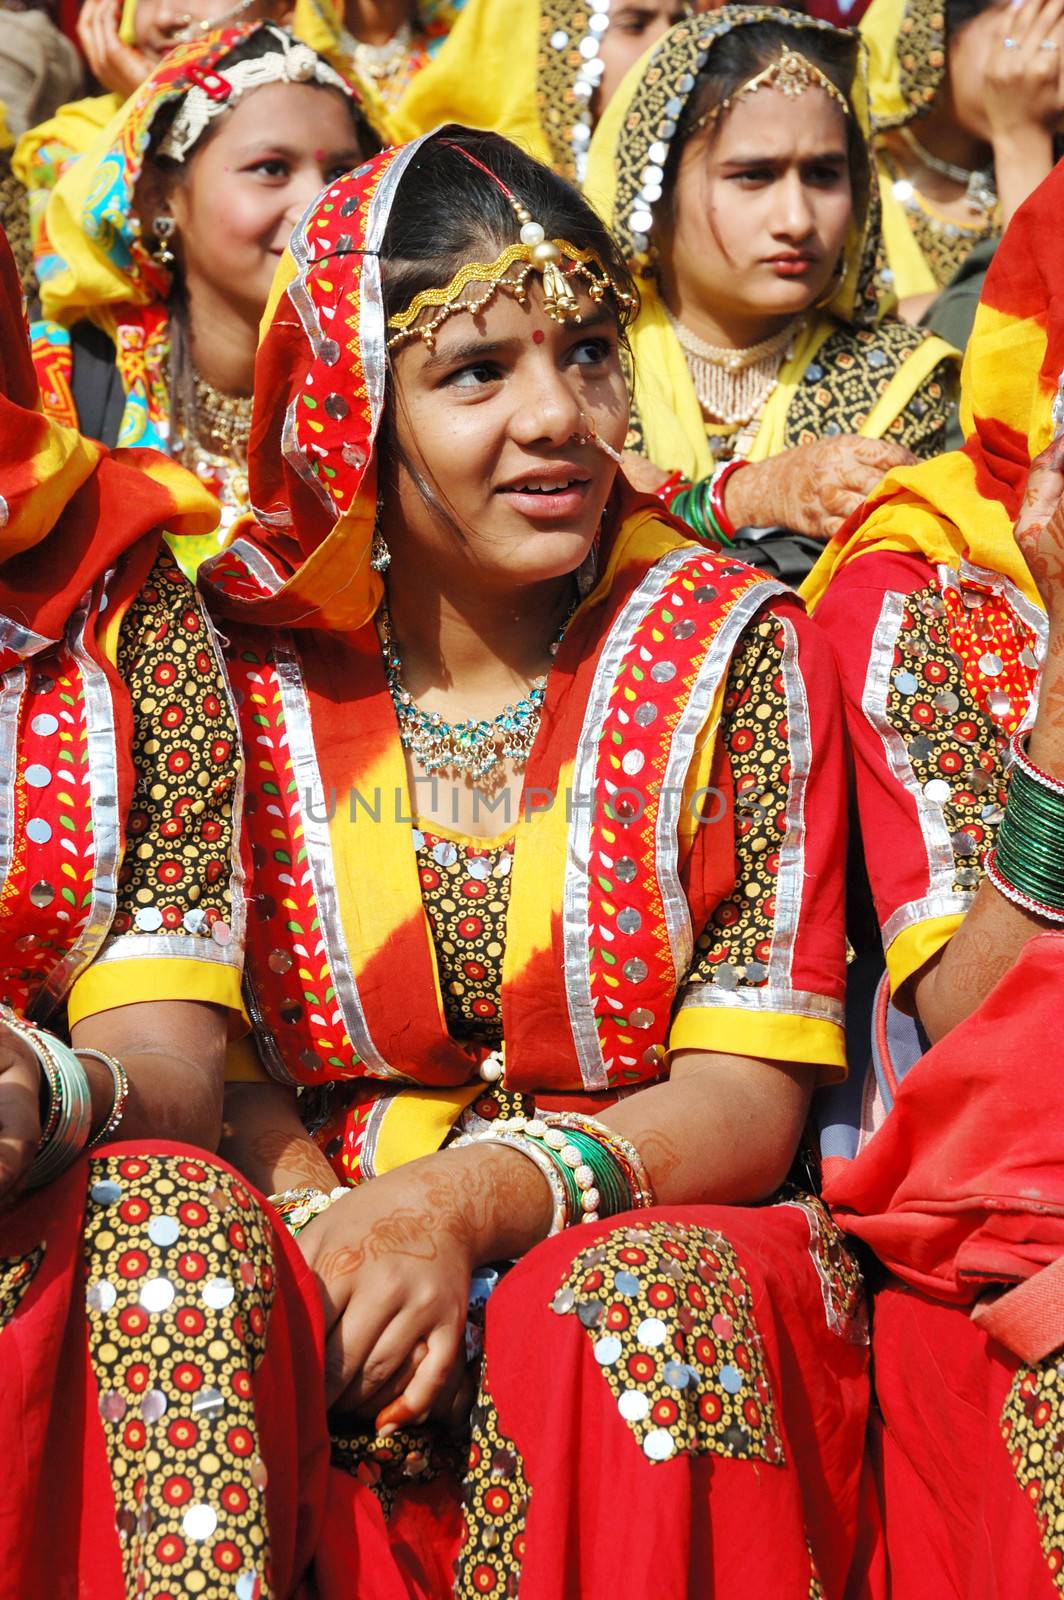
673	1403
161	1387
971	1454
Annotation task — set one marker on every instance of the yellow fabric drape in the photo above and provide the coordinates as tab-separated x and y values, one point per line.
484	76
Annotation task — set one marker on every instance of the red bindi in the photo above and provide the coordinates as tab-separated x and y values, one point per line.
538	336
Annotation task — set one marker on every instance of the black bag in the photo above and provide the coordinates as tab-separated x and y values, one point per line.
785	555
96	385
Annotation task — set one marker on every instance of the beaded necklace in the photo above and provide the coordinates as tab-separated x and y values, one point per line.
733	386
475	748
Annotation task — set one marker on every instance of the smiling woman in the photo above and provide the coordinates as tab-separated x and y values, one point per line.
565	942
166	237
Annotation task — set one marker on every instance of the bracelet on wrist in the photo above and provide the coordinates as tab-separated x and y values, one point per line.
1026	863
666	492
120	1081
715	497
297	1207
68	1119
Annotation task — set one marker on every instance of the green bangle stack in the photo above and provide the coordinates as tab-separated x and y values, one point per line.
592	1172
67	1123
1026	864
694	506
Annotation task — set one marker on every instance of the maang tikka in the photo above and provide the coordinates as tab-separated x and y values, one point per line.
556	260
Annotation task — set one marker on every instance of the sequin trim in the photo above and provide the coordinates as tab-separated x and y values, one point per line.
669	1312
1032	1426
961	679
841	1280
495	1497
179	1286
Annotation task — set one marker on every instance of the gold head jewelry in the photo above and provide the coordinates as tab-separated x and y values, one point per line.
792	74
509	273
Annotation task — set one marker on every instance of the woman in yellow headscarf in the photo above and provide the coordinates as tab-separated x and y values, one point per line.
966	95
123	41
162	242
734	168
945	605
538	71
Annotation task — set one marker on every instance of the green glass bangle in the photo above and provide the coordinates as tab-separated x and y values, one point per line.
706	489
74	1122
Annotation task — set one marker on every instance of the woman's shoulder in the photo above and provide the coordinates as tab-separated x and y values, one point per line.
852	373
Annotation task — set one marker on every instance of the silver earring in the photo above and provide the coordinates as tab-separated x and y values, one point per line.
163	229
380	557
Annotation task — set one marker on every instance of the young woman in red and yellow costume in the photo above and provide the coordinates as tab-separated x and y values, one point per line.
150	1316
619	902
944	605
162	241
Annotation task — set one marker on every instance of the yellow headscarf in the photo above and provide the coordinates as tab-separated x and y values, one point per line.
514	68
964	504
635	133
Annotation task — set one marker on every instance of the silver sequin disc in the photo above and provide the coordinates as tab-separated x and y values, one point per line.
164	1231
101	1296
652	1332
157	1294
218	1293
633	1405
607	1351
658	1445
199	1522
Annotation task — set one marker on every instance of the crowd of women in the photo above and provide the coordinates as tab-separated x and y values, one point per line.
532	804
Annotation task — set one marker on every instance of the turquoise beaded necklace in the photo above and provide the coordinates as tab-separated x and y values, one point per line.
473	748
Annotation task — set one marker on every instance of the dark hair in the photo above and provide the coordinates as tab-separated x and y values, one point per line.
162	173
742	53
958	12
447	212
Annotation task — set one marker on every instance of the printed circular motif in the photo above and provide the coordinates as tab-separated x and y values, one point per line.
953	715
172	1365
495	1503
178	860
469	944
732	949
678	1389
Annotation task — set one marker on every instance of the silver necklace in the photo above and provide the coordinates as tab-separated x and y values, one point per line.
382	61
980	190
475	747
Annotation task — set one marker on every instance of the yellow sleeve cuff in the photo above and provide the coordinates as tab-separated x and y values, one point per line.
914	947
417	1121
768	1035
107	985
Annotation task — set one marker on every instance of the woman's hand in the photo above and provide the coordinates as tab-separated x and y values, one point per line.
394	1259
1023	88
1040	527
20	1117
117	66
813	488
